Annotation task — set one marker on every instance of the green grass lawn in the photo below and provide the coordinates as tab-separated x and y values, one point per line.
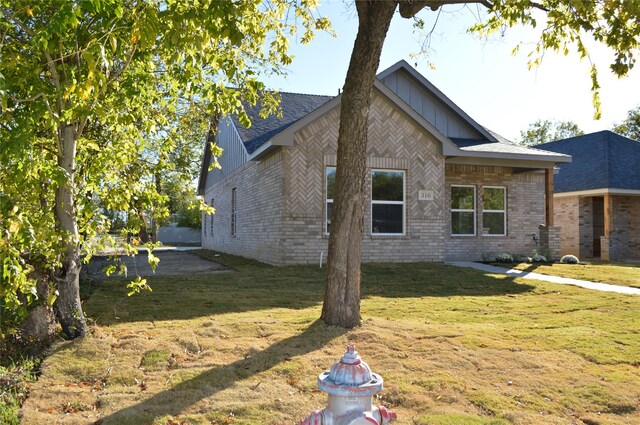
625	274
454	346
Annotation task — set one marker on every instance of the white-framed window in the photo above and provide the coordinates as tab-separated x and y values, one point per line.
387	202
330	184
233	212
463	210
494	211
211	220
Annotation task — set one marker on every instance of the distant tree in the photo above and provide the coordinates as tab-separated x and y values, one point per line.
630	127
544	131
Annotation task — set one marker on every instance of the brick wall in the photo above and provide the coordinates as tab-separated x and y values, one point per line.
395	142
525	211
281	199
585	221
566	214
626	227
259	211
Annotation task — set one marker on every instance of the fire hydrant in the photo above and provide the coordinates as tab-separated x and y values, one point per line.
351	386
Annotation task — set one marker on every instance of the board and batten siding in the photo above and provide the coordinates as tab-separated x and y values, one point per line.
430	107
234	154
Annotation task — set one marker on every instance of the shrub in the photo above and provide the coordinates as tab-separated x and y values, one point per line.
569	259
504	258
537	258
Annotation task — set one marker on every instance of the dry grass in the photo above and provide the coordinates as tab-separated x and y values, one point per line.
454	346
616	273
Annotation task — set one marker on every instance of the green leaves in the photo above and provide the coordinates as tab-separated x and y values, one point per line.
136	82
543	131
570	25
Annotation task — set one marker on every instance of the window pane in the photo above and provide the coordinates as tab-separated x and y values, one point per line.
462	198
329	205
493	198
461	223
493	223
386	218
387	185
331	182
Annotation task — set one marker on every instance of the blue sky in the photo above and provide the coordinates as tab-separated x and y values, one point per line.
481	76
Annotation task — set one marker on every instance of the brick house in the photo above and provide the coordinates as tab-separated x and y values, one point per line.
597	196
441	186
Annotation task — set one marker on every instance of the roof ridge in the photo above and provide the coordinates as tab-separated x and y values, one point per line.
304	94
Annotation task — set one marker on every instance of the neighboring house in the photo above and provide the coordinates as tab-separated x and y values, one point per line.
439	187
597	196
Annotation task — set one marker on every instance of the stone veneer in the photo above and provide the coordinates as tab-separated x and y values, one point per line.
525	211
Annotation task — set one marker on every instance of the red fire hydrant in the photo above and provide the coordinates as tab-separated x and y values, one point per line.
351	386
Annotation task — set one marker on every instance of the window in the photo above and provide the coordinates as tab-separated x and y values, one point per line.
463	210
233	212
211	220
387	202
331	183
494	211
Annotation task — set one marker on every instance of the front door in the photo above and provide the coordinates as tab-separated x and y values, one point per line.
598	224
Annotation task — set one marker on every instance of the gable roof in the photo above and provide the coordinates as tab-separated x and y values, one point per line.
297	110
601	160
293	106
426	84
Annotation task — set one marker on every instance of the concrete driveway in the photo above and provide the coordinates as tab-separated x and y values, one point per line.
172	263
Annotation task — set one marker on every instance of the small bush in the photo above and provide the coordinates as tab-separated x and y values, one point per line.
504	258
537	258
569	259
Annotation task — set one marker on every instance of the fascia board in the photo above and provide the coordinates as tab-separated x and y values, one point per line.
597	192
285	137
515	156
501	162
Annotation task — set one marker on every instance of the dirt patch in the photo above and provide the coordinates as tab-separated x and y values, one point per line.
172	263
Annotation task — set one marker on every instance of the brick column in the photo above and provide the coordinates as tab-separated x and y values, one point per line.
609	247
550	240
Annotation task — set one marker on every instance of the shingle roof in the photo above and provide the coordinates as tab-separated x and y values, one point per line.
501	145
600	160
293	106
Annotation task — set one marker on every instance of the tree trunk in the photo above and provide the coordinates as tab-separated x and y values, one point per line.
67	306
342	289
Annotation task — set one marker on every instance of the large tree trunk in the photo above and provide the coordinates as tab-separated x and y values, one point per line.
67	306
342	289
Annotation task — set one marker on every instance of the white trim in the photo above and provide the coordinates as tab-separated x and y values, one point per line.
259	151
211	234
504	188
475	215
234	212
326	200
403	202
596	192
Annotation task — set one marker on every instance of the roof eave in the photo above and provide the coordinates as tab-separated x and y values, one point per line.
597	192
516	156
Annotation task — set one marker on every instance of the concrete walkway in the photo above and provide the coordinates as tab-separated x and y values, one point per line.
547	278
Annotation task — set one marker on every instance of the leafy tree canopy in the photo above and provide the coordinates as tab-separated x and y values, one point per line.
630	127
93	94
544	131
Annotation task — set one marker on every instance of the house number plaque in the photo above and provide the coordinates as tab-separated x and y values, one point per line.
425	195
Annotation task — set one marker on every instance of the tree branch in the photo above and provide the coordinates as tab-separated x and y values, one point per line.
409	8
